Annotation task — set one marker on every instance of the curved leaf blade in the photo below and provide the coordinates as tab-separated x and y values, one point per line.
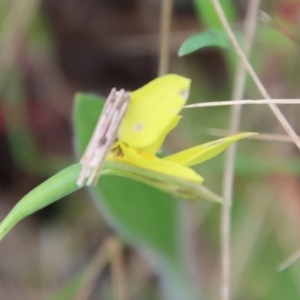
208	38
53	189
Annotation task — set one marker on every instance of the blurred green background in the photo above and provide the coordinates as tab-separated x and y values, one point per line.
51	49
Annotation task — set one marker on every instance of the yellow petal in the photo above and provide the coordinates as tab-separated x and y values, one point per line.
150	162
158	143
152	109
201	153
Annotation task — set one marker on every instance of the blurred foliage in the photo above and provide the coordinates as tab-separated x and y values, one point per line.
208	16
209	38
99	41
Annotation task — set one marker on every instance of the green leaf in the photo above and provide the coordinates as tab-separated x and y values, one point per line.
142	215
207	12
208	38
58	186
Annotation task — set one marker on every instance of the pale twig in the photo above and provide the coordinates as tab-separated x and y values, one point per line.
239	85
108	252
103	137
93	270
268	20
244	102
252	73
118	270
250	226
260	136
165	27
18	20
287	262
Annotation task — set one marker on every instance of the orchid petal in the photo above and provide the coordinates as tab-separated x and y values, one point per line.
152	109
158	143
151	162
201	153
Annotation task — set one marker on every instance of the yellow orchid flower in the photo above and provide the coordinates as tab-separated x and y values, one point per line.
176	165
152	113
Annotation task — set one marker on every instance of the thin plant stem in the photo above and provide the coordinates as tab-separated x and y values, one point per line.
108	252
165	28
14	32
268	20
252	73
244	102
93	270
288	261
251	226
118	269
228	177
